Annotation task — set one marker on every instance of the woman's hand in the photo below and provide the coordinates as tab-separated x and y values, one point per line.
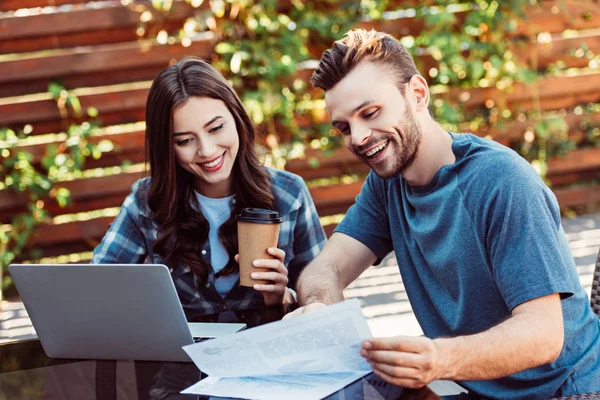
275	292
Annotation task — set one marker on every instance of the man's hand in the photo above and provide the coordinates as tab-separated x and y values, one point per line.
411	362
306	309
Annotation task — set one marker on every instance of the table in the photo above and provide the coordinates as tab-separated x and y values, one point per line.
27	373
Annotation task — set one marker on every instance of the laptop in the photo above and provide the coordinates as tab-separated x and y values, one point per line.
109	311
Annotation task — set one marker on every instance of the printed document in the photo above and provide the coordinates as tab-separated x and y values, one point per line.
290	387
309	356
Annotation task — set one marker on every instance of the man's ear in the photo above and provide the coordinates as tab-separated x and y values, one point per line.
418	88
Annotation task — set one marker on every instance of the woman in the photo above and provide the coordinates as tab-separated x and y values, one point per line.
203	171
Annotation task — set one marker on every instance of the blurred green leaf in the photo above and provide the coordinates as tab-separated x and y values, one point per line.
92	112
314	162
55	89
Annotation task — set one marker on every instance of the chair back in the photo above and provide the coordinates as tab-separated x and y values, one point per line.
595	296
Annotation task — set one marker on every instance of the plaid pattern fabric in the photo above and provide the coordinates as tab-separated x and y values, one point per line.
130	237
595	297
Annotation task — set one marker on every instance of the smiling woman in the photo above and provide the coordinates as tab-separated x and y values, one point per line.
206	144
204	171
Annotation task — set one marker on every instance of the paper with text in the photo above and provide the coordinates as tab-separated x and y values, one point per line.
307	357
295	387
324	341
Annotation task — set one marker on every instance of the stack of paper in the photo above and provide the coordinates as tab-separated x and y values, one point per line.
307	357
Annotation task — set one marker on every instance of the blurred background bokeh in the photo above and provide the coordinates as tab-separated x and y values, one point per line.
74	76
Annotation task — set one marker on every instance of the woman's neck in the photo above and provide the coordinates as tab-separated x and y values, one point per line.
214	190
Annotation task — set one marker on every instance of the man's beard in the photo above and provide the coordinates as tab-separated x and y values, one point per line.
407	143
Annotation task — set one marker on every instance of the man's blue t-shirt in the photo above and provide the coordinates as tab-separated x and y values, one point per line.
481	238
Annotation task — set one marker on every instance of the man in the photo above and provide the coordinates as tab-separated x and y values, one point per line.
477	235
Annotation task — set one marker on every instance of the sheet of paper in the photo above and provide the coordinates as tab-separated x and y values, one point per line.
324	341
296	387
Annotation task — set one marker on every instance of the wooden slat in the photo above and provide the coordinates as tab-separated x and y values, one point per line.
90	59
87	38
582	196
558	181
575	161
108	16
340	162
514	130
555	92
55	250
543	55
556	16
85	195
93	26
113	107
577	166
9	5
537	56
94	79
126	145
572	14
50	235
335	199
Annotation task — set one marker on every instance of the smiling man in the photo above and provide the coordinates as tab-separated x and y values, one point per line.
477	235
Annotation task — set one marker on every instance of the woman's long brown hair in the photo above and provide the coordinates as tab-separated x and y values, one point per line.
182	230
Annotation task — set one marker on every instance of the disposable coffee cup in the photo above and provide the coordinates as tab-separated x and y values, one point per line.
258	229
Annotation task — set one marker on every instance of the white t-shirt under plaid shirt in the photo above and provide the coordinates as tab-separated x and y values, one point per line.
130	237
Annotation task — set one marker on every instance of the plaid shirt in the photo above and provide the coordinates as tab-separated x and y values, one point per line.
130	237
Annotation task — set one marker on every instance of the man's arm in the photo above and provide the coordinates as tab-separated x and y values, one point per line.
532	336
342	260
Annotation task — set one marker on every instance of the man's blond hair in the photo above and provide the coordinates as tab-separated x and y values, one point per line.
359	46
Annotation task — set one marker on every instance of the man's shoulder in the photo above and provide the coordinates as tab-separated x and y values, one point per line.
488	161
493	172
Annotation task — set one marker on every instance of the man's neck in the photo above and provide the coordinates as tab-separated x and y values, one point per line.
435	151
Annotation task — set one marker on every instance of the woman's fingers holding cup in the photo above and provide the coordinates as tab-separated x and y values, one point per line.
277	288
277	253
271	276
273	264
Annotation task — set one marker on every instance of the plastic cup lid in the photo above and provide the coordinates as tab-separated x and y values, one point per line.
259	216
